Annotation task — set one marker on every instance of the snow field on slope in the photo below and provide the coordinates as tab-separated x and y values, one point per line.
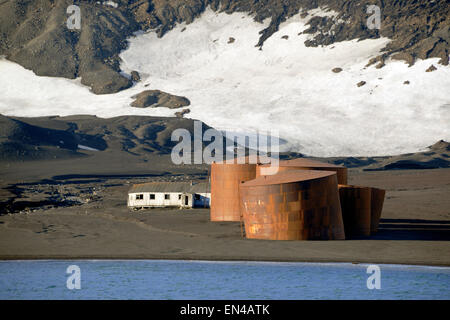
290	87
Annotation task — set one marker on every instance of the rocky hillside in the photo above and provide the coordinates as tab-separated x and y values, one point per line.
419	29
34	33
27	139
75	136
436	156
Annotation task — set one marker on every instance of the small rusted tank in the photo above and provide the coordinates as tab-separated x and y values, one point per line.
377	200
356	210
307	164
292	205
225	180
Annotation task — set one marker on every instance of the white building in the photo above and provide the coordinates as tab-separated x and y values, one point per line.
170	194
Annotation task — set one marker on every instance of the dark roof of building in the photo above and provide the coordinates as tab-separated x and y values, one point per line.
187	187
288	177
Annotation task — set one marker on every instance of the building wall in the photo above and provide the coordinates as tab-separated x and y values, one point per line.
186	200
159	200
174	200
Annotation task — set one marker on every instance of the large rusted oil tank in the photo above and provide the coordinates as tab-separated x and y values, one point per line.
292	205
225	180
356	210
307	164
377	200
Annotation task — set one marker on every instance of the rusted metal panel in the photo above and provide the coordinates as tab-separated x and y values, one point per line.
292	205
225	179
307	164
377	201
356	210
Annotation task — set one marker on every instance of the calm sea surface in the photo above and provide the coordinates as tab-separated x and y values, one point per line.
155	279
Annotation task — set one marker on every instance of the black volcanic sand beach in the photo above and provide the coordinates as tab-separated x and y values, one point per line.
76	208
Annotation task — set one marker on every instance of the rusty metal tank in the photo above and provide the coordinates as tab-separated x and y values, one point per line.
377	200
292	205
225	180
307	164
356	210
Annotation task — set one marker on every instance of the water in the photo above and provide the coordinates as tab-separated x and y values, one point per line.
156	279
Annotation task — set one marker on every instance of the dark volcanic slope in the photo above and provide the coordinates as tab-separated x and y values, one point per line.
19	140
60	137
437	156
41	138
33	33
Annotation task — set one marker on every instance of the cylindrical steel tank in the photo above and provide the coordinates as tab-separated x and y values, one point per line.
356	210
377	201
225	180
307	164
292	205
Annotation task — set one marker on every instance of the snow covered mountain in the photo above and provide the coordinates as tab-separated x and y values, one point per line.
317	74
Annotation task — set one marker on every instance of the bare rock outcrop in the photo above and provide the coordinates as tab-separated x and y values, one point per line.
180	114
336	70
361	83
135	76
156	98
431	69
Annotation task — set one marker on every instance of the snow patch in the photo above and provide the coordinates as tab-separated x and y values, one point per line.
82	147
109	3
